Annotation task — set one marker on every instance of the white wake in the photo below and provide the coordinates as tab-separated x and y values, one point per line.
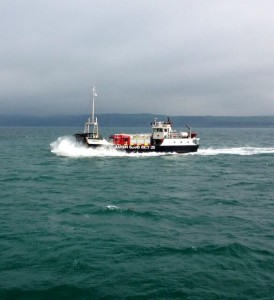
236	151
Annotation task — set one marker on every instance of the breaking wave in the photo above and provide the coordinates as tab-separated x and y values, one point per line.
68	147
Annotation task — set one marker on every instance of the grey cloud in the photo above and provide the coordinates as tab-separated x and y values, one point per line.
175	57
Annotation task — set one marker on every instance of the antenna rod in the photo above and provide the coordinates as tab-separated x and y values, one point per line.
93	100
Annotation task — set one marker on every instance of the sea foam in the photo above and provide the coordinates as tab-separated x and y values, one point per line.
67	146
236	151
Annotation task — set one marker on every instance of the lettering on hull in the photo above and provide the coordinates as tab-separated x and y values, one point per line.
177	149
126	147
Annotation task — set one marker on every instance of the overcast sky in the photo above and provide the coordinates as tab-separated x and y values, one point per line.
175	57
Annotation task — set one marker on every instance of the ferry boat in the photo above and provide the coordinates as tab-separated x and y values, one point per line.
163	138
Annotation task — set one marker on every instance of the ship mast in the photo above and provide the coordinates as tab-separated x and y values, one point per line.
92	120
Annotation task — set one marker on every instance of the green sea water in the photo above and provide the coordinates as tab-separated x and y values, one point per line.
79	223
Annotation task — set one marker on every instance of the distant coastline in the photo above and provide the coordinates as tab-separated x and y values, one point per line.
135	120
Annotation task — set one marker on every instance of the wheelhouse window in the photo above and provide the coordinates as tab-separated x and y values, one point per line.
157	129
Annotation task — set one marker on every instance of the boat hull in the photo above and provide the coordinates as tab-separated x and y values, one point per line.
84	139
81	137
